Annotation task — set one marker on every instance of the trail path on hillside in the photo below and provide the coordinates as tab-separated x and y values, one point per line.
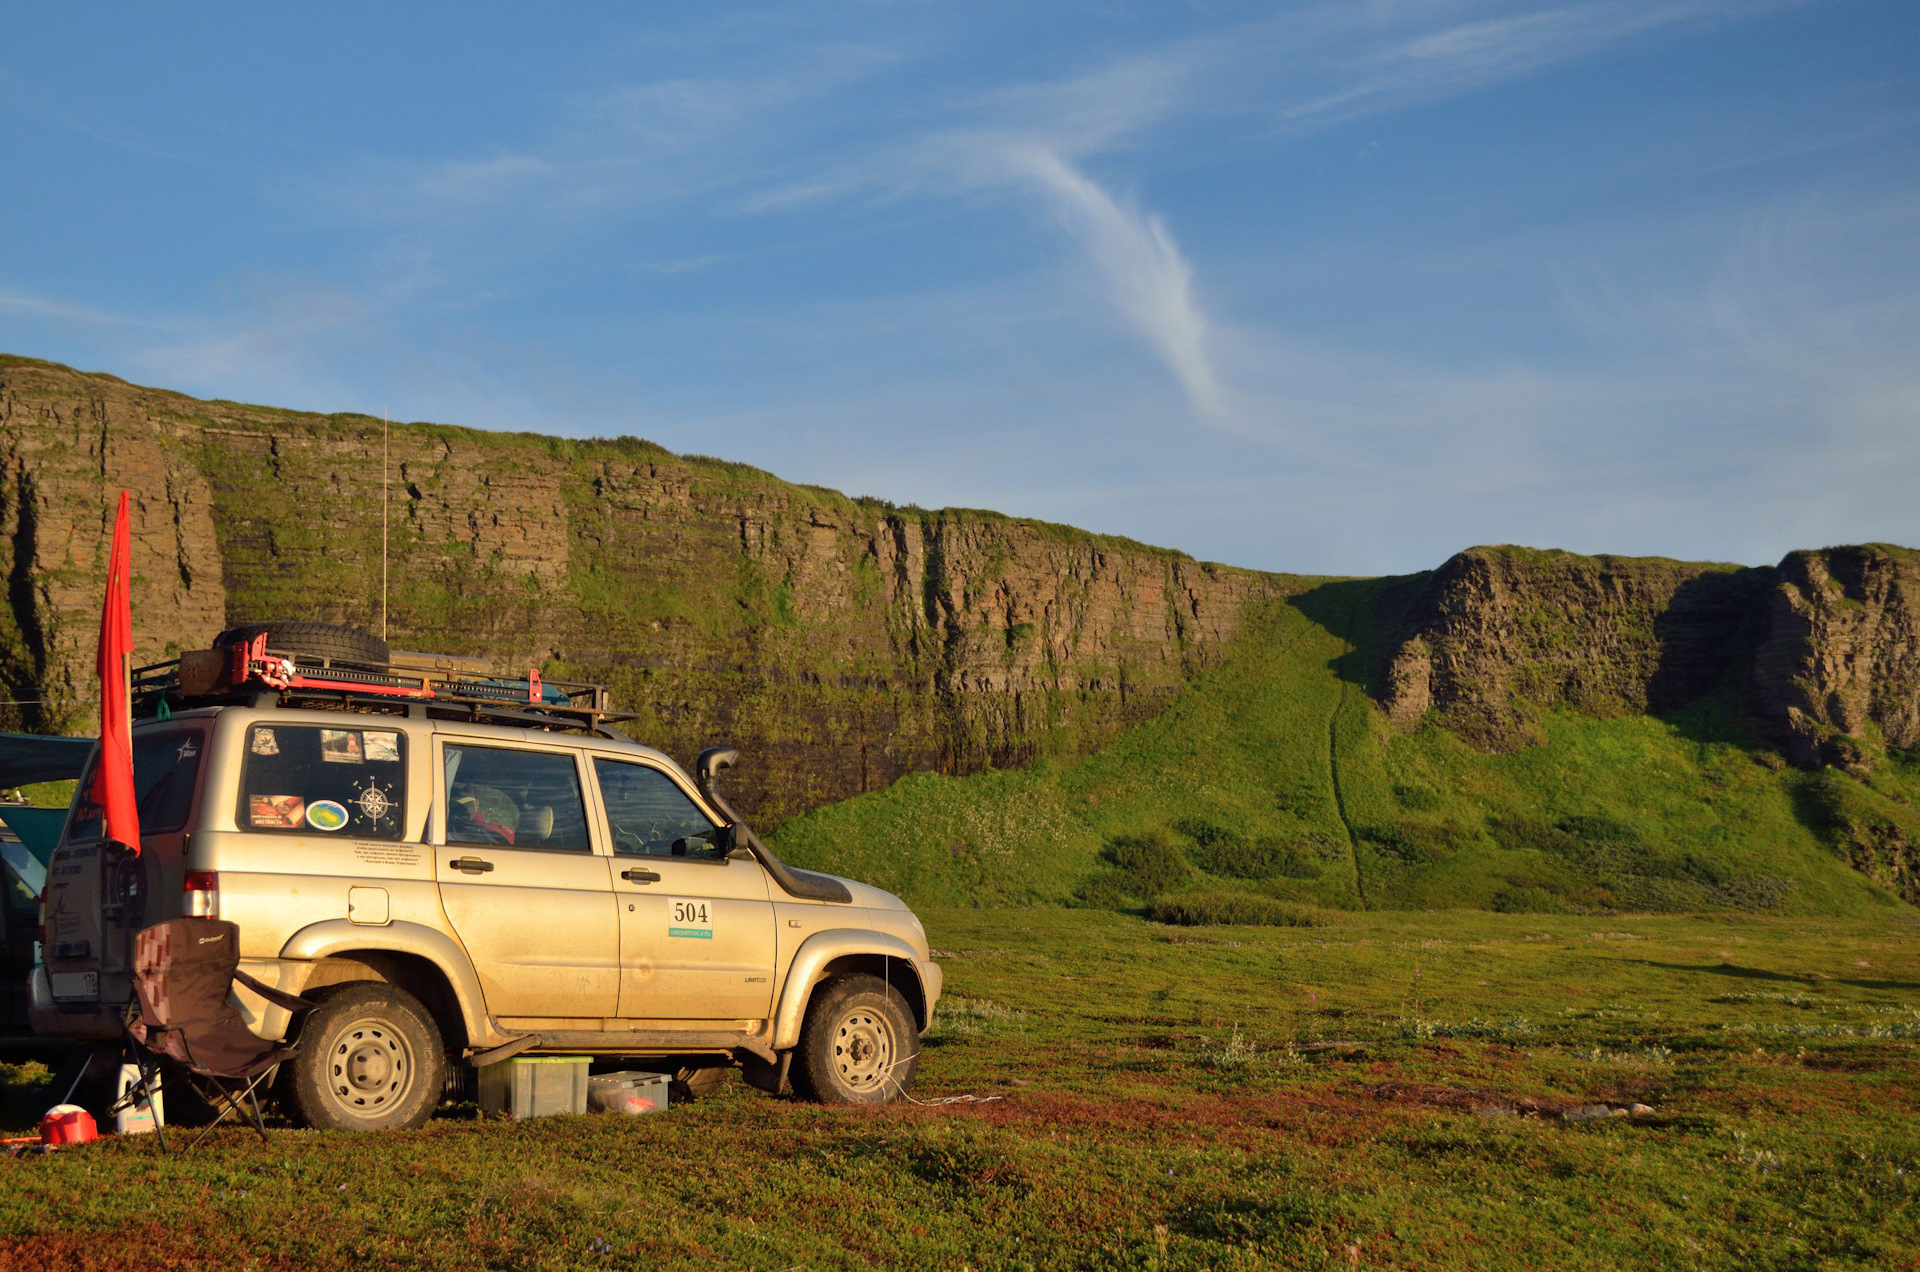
1333	758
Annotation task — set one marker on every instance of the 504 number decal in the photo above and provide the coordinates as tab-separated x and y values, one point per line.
690	918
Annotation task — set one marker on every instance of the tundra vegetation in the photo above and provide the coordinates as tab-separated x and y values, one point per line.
1380	1090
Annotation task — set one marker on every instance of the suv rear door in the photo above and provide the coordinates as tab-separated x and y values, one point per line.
696	929
521	883
97	897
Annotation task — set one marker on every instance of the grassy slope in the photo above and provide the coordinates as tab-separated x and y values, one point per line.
1283	743
1128	1129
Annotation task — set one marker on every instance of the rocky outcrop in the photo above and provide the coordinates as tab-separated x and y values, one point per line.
839	643
1499	635
63	460
1822	650
1837	678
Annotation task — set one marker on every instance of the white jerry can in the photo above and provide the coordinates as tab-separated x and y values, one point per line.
138	1118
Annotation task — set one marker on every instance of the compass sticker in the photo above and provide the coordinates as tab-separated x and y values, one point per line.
374	801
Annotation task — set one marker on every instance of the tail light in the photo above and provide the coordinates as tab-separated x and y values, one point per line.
201	899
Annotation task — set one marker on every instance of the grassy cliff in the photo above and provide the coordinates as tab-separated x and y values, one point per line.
1279	773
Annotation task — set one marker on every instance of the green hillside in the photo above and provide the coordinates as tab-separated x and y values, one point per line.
1277	774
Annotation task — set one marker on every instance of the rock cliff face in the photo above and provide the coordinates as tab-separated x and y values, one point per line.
1823	650
1498	635
1838	676
841	643
838	643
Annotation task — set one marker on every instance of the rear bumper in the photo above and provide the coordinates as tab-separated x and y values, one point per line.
98	1022
80	1022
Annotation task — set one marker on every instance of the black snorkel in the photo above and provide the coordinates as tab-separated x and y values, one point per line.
797	883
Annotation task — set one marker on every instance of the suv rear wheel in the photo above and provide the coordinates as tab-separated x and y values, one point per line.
858	1045
370	1059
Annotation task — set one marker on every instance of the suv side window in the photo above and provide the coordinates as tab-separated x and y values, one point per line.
526	799
305	778
651	816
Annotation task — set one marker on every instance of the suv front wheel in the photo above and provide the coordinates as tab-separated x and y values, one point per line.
858	1045
370	1059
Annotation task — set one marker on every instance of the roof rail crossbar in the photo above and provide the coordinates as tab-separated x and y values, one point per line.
457	686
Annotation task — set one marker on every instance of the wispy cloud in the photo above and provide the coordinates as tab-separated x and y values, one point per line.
1150	281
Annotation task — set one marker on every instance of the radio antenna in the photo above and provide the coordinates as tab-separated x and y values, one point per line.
383	523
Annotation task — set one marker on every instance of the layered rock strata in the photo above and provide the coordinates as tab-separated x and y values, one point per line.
838	643
1823	650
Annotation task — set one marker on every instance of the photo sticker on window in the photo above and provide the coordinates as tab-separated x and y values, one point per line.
340	746
277	812
384	747
264	743
327	814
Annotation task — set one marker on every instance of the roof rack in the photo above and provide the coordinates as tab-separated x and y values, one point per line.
446	685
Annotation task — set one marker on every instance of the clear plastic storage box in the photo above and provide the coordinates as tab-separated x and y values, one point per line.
535	1086
627	1092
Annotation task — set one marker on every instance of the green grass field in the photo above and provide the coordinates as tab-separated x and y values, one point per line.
1382	1091
1275	772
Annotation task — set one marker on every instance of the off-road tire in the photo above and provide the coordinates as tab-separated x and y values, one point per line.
858	1045
317	640
369	1059
689	1085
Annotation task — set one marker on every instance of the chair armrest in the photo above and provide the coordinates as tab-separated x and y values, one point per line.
279	998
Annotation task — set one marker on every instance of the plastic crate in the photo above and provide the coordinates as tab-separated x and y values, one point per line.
627	1092
535	1086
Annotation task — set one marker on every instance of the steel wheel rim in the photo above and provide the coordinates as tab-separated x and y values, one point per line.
370	1068
864	1049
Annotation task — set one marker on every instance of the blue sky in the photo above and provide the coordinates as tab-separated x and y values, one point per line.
1333	287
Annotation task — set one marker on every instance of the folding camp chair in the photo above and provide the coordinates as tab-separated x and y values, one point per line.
180	1018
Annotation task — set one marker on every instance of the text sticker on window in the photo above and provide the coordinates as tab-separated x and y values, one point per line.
277	812
689	918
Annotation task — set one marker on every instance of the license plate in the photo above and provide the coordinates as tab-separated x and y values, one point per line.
67	985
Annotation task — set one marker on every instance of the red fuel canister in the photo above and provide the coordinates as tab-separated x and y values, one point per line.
67	1124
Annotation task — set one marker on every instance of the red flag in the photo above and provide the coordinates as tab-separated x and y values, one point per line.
113	781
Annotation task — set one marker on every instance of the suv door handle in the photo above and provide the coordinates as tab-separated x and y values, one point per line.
638	875
471	865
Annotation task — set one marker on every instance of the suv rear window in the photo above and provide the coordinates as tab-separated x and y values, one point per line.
306	778
166	768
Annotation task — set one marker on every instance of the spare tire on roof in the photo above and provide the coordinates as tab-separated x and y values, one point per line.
317	640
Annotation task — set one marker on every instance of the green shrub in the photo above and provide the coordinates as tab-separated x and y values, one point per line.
1527	899
1753	892
1417	843
1202	909
1600	832
1148	863
1105	891
1224	852
1417	799
1526	833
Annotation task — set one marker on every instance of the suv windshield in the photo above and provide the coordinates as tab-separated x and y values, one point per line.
166	767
